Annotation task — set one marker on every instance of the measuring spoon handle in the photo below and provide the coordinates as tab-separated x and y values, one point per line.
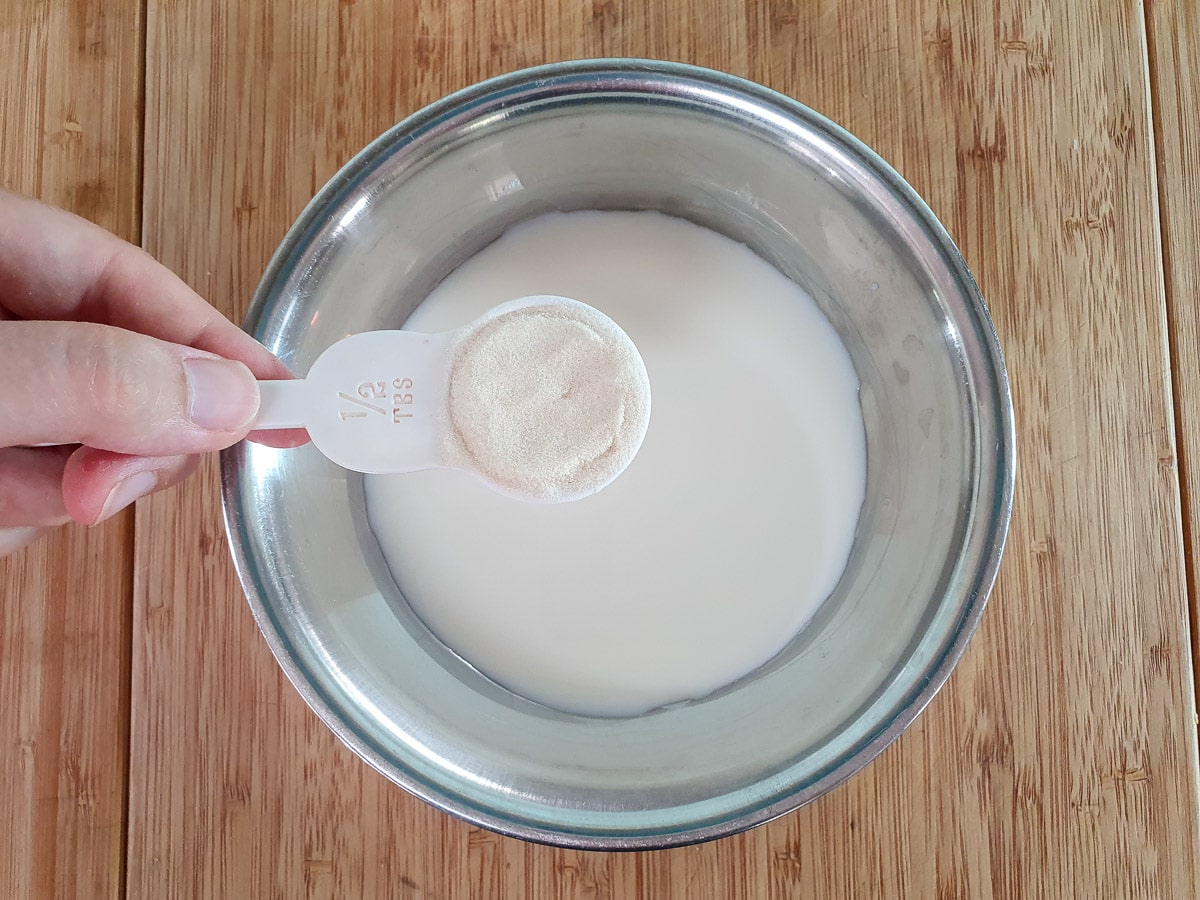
283	404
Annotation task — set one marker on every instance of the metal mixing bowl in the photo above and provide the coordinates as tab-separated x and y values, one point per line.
814	202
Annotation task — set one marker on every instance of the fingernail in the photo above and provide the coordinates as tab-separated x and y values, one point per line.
125	492
13	539
223	393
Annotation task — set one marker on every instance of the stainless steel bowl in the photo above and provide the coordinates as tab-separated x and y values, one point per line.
824	209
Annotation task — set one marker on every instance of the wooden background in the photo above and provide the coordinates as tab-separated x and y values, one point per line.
149	745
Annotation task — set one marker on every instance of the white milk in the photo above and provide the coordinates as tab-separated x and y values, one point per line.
726	532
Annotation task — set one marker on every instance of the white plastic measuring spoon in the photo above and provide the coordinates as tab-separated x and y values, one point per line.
378	402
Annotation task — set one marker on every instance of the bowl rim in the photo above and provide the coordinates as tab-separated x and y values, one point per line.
656	78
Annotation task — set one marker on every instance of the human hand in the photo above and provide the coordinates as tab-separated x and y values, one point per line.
108	355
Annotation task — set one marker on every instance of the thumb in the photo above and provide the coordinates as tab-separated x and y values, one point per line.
105	387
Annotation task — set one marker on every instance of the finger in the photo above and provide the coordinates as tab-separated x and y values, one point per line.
73	382
13	539
31	487
283	439
55	265
97	484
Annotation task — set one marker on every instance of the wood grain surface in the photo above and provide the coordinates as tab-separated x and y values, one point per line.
70	134
1060	760
1174	55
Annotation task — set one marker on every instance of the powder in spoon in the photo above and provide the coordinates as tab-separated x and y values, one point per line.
548	401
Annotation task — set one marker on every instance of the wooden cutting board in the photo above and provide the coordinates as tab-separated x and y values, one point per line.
149	745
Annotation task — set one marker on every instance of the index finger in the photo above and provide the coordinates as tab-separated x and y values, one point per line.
55	265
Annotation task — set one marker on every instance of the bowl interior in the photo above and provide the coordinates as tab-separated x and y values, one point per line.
812	202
